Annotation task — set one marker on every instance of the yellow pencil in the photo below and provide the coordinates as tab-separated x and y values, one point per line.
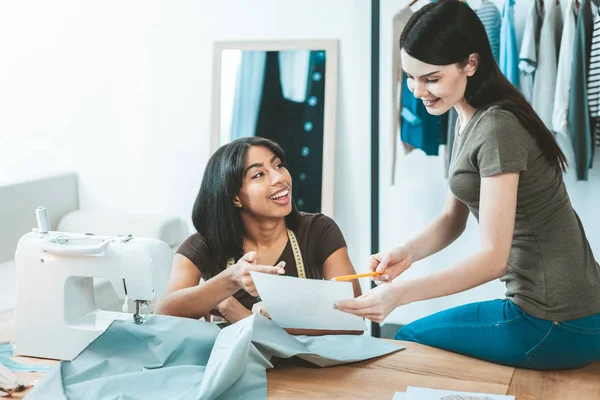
350	277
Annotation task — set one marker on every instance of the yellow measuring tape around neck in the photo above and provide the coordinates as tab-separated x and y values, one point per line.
295	250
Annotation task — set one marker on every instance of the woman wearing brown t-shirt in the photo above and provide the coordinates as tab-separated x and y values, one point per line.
246	221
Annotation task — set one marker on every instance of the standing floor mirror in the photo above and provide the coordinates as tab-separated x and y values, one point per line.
285	91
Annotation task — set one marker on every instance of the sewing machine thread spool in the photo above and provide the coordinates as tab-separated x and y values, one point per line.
42	220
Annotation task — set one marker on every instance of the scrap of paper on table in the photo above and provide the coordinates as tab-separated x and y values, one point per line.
306	303
413	393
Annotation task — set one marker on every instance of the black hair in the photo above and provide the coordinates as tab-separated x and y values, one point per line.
447	32
214	215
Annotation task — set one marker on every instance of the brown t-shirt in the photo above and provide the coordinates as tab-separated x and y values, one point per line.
318	237
551	271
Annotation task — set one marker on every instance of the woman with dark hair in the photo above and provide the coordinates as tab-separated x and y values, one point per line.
507	171
246	221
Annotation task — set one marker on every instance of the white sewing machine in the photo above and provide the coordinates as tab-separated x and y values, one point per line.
56	314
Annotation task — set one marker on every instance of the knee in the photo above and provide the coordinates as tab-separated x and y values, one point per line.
407	333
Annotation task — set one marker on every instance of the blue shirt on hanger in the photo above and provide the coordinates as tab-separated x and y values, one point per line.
509	53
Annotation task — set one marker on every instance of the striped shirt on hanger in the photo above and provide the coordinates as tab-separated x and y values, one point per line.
489	15
594	80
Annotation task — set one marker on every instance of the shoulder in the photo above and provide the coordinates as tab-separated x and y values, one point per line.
320	235
499	124
496	115
316	221
320	229
194	240
194	247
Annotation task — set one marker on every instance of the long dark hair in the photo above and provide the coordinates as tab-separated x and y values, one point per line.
448	31
214	215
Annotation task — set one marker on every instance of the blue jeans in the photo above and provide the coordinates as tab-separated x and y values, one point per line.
500	332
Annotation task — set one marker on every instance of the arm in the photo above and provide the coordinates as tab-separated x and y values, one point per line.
185	297
498	203
437	235
442	231
339	264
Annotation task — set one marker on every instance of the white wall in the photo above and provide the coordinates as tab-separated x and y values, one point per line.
420	190
120	92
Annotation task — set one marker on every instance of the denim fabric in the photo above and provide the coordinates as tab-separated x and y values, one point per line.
500	332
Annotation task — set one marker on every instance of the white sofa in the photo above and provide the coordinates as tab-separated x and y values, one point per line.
59	195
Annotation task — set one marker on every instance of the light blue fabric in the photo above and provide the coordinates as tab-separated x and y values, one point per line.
248	93
293	73
178	358
509	54
6	352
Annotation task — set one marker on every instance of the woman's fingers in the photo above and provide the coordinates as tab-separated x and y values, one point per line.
267	269
359	303
374	261
248	283
372	311
250	256
386	260
379	279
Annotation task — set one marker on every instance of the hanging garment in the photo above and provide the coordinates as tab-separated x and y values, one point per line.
528	57
545	76
563	72
594	82
248	94
293	68
451	132
179	358
297	126
579	118
489	15
508	44
419	128
399	22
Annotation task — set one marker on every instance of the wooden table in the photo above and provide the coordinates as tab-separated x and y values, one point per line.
417	365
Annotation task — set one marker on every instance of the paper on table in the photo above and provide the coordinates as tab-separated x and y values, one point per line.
435	394
306	303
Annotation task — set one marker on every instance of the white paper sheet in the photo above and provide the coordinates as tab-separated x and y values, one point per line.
435	394
306	303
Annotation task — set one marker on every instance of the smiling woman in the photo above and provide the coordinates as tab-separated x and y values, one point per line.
244	211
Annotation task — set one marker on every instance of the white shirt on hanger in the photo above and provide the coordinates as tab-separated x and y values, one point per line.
528	56
563	73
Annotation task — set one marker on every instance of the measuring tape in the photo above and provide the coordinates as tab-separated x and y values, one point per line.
295	250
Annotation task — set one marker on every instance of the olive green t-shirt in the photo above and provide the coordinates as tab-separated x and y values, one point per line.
551	272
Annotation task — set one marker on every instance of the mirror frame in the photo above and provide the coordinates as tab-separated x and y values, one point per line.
330	107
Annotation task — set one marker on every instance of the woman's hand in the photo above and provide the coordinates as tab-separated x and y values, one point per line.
259	308
232	310
241	271
375	305
393	263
